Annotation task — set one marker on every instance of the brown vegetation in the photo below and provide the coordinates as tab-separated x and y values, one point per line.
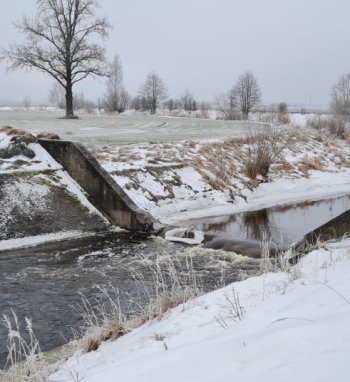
263	149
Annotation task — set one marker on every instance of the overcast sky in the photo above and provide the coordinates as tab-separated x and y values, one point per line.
296	48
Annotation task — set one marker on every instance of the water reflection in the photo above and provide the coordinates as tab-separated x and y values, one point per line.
256	224
283	226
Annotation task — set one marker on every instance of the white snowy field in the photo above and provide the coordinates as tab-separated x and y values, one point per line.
293	326
121	129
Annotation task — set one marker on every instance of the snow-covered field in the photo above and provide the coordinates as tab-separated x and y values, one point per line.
122	129
287	326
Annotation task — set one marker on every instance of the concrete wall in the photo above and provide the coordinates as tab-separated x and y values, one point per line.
102	191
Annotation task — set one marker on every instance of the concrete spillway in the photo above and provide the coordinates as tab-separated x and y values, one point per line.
102	191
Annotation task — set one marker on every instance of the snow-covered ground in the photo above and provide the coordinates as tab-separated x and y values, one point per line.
122	129
39	201
293	326
194	179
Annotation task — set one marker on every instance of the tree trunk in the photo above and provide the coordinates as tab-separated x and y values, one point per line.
69	101
153	106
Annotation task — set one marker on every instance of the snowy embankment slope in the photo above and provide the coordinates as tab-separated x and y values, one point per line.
294	327
39	201
188	180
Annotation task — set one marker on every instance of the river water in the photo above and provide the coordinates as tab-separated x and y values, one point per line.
43	283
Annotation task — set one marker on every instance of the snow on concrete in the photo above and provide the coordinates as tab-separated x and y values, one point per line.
294	326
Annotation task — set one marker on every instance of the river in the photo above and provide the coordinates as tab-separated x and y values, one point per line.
44	283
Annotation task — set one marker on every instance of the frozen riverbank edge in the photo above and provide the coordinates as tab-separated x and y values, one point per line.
294	326
190	180
178	182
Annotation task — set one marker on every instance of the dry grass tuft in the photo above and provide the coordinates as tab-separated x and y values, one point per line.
335	126
102	321
25	359
18	134
164	285
308	164
48	135
263	149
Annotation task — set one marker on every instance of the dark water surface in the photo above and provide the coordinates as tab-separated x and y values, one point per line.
283	225
43	283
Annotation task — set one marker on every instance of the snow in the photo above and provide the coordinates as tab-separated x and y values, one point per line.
31	184
197	201
181	235
171	180
319	186
120	129
73	188
41	162
294	327
30	241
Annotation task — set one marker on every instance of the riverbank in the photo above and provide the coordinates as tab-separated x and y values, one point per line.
176	182
290	325
196	179
39	201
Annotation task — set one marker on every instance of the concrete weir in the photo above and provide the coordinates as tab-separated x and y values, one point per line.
102	191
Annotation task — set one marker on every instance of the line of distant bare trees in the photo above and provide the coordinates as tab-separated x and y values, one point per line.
62	41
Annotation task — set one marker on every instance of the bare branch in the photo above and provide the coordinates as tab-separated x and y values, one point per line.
153	91
58	43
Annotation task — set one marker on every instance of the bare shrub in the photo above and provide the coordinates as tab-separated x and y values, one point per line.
284	118
335	126
283	115
226	104
264	147
340	96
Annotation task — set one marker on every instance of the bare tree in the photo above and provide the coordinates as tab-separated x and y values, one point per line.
188	102
153	91
170	104
27	102
205	106
57	95
247	93
116	98
227	105
60	41
340	96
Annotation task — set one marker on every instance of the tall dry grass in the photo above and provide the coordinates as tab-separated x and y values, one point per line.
25	360
163	285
